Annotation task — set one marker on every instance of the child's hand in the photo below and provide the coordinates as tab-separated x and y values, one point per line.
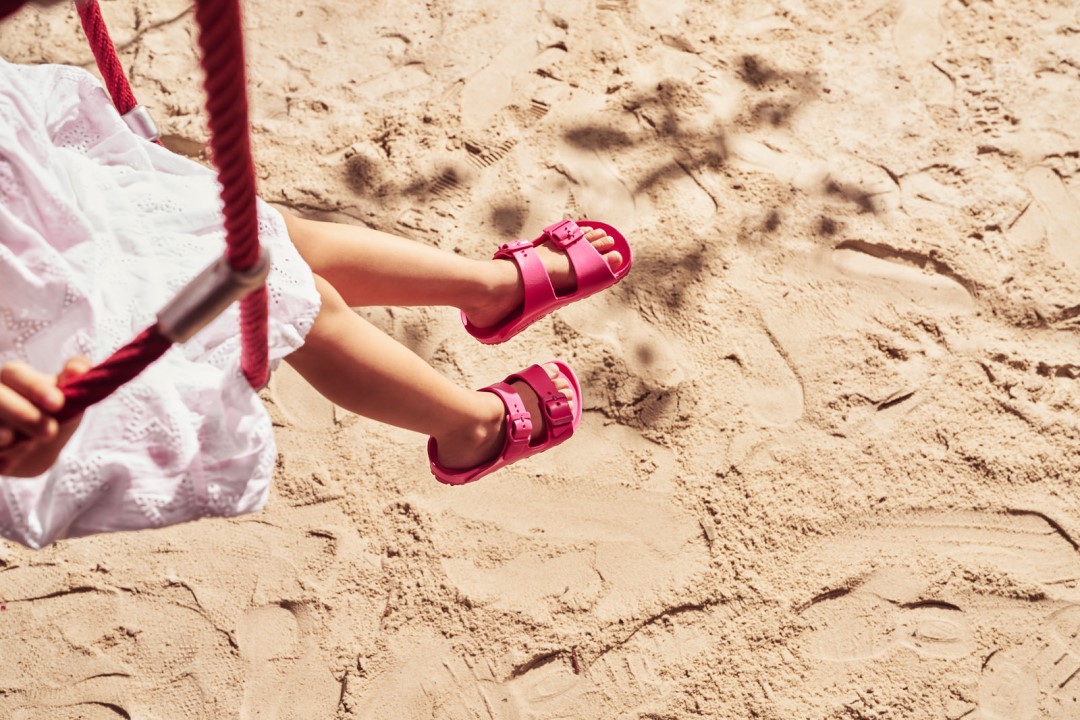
30	437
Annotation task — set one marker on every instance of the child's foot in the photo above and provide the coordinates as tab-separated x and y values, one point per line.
478	444
507	289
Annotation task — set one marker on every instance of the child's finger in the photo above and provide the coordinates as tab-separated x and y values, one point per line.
37	387
7	436
79	364
23	416
73	368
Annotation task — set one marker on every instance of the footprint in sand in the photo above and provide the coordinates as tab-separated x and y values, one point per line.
627	681
1007	691
426	679
919	37
773	391
854	627
516	74
1039	678
859	626
1038	384
108	653
904	273
429	679
1017	554
287	677
622	539
492	89
1024	546
611	548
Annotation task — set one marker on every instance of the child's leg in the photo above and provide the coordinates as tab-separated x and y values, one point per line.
368	267
360	368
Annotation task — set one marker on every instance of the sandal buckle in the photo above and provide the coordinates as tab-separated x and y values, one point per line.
565	233
558	411
519	427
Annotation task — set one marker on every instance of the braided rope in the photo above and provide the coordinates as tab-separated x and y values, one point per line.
221	42
103	379
105	55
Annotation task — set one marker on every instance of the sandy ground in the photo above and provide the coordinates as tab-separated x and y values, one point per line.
829	463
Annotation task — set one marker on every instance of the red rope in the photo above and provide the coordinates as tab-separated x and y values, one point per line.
8	7
101	380
105	55
222	43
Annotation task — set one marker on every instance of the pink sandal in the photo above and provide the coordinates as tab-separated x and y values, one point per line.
590	268
559	423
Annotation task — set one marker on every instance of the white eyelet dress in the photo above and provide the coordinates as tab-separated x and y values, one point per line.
98	230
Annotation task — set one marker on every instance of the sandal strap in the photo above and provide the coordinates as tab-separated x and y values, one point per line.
558	417
538	288
518	421
590	269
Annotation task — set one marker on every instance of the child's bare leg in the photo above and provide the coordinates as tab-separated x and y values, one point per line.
369	267
360	368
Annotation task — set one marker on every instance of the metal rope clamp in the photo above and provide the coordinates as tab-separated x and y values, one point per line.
208	295
141	123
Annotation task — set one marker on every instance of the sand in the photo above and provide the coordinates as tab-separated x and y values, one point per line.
832	434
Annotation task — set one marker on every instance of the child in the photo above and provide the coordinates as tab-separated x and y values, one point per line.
98	229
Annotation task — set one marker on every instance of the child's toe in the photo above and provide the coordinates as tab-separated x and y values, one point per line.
602	243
